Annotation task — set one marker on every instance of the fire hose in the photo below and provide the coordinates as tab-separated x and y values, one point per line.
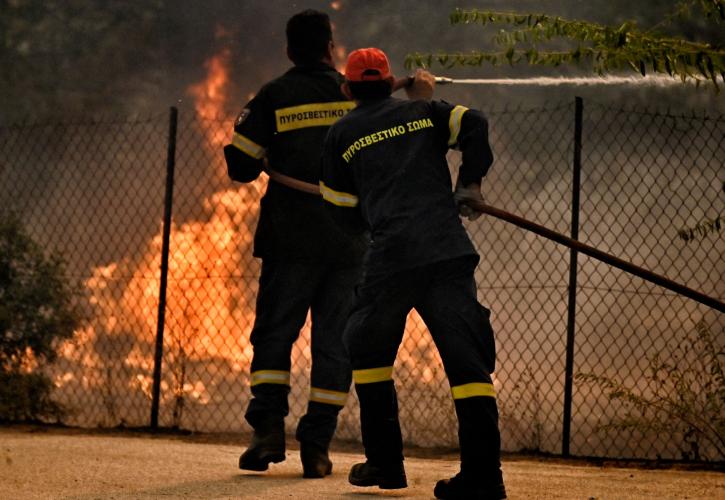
547	233
596	254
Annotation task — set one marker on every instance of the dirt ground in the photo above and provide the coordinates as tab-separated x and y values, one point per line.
48	462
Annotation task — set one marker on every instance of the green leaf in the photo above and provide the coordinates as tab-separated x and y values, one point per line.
668	63
510	55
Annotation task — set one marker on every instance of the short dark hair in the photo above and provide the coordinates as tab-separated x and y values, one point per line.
308	35
365	91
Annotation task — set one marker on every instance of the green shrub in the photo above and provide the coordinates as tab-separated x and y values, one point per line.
38	308
682	395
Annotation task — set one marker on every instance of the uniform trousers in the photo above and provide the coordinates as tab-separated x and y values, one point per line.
287	290
444	294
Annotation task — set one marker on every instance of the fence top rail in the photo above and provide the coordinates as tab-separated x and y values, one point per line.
89	120
496	108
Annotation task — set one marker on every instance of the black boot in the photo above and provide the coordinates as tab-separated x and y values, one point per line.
315	460
480	443
388	477
458	488
267	446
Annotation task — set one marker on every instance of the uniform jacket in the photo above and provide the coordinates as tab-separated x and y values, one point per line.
385	170
286	123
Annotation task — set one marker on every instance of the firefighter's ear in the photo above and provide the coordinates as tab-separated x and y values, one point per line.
345	89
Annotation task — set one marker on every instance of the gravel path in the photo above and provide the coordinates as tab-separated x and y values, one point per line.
57	463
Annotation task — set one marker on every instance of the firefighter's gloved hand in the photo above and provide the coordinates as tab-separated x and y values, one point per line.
465	193
421	88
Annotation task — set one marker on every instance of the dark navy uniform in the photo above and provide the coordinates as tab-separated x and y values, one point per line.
385	171
307	262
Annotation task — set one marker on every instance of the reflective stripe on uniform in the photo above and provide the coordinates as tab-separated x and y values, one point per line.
247	146
338	197
329	397
372	375
318	114
454	123
270	377
473	389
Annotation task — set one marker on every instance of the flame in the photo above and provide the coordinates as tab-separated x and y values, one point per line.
336	5
210	97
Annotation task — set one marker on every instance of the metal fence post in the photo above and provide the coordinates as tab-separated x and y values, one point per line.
168	199
571	317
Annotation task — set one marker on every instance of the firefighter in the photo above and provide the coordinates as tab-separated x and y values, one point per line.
307	262
385	171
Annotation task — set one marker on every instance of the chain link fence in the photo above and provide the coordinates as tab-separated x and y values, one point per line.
94	192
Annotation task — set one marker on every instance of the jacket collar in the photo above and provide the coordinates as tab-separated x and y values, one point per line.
307	68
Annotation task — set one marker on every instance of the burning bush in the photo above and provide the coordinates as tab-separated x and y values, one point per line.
37	309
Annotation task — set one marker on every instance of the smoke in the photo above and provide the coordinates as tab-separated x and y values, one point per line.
56	60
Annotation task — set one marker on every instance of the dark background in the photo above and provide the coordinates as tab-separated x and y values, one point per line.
81	57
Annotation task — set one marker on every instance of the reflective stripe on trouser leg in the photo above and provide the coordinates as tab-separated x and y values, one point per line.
269	377
473	389
325	396
320	421
372	375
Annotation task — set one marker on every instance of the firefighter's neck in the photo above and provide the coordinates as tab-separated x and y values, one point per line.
327	59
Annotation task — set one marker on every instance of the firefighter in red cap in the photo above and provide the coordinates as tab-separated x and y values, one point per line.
385	171
308	263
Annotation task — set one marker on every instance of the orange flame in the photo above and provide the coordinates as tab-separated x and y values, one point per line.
210	97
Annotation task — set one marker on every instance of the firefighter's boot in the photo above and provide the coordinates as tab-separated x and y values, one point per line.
267	446
458	488
480	443
386	477
316	462
381	438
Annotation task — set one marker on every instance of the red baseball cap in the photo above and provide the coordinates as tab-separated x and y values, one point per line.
365	65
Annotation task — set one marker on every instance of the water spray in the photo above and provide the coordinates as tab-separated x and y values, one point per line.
657	80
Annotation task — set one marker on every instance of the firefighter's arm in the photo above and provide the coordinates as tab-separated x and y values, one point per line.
476	154
240	166
253	130
467	132
477	158
338	190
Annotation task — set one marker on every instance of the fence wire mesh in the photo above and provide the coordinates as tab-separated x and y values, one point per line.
94	192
